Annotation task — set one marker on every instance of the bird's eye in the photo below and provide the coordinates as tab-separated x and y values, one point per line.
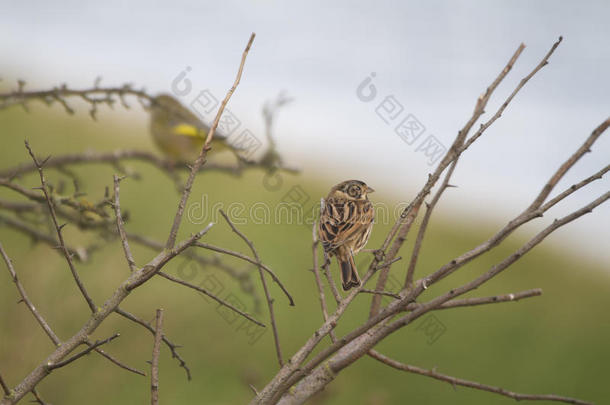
354	191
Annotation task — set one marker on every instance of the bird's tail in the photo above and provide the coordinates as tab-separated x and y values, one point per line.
349	273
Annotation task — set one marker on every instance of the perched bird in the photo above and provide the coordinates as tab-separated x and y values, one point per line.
179	133
346	220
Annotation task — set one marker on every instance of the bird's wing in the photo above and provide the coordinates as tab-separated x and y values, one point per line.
341	222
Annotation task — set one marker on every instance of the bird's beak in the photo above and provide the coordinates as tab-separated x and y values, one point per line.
370	189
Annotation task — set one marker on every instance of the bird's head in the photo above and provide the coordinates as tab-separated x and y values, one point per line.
351	190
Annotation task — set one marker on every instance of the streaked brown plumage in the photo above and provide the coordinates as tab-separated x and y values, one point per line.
346	220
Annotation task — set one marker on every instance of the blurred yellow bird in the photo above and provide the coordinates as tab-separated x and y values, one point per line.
179	133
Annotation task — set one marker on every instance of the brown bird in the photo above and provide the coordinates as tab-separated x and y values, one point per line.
346	220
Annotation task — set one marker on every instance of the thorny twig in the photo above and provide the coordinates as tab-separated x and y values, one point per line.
58	228
154	373
471	384
200	161
276	338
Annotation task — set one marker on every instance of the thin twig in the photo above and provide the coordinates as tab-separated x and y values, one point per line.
209	294
272	159
575	187
329	278
386	293
18	206
58	228
316	272
249	260
475	301
172	346
454	150
114	360
24	297
389	257
154	373
522	83
117	157
69	201
41	321
121	226
58	94
5	388
37	398
494	270
79	252
276	338
535	210
149	271
200	161
132	282
567	165
459	146
96	344
204	261
424	224
471	384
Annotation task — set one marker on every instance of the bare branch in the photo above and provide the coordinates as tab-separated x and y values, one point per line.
585	147
24	297
575	187
58	228
458	147
471	384
535	210
316	272
424	225
367	342
386	293
313	376
522	83
41	321
209	294
453	153
93	96
154	374
117	157
494	271
79	252
96	344
16	206
249	260
59	202
114	360
172	347
200	161
329	278
272	159
276	338
400	238
5	388
135	279
37	398
243	277
121	226
476	301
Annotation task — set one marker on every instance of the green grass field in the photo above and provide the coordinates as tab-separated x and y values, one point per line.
556	343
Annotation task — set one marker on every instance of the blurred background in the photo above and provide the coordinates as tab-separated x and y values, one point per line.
429	61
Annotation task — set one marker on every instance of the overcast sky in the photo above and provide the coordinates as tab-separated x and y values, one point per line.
433	57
